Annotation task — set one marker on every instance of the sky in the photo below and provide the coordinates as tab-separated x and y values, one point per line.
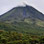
6	5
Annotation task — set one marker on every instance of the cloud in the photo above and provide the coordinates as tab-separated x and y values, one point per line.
6	5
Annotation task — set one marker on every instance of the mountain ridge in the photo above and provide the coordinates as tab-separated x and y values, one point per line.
25	11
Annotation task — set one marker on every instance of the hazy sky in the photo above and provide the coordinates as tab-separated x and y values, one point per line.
6	5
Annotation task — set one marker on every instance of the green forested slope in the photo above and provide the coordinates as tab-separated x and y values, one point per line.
22	27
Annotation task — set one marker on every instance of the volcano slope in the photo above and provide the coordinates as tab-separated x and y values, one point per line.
24	20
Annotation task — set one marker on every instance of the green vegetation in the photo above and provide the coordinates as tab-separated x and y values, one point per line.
22	27
11	37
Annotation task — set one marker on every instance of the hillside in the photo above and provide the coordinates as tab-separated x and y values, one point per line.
24	20
22	27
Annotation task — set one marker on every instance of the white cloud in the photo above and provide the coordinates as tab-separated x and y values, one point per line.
6	5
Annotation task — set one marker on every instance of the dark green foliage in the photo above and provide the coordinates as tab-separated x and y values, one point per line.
11	37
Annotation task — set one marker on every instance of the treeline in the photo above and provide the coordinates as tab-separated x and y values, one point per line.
11	37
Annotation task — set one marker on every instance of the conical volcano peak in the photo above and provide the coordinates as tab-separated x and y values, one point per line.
21	13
